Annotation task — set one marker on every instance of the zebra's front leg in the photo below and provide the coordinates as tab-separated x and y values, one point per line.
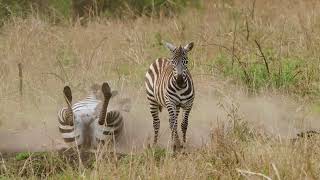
173	126
154	109
184	124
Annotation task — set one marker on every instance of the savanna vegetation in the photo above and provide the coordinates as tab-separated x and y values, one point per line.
250	48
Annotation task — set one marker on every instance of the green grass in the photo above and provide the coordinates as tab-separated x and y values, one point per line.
61	7
12	8
22	156
283	74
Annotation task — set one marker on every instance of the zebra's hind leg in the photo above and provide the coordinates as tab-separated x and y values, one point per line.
68	114
154	109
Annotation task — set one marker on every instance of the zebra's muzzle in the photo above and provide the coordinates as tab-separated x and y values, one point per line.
180	81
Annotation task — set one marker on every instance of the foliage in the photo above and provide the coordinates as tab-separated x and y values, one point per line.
283	74
22	156
13	8
62	9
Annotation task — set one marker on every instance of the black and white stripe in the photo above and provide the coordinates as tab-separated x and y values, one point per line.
87	123
169	84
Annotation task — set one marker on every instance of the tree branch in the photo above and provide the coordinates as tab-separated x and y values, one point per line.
263	56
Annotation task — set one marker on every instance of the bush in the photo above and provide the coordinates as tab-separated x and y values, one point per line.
13	8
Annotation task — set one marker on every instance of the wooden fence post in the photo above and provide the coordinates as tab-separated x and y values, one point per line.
20	80
20	85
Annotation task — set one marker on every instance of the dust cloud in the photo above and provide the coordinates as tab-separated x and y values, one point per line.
215	103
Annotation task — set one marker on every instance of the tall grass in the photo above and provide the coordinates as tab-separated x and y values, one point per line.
120	50
64	9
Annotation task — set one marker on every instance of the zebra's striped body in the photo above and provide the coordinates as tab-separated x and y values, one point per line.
82	127
169	84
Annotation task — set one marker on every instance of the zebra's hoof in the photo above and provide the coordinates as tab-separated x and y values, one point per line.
67	93
106	90
182	146
177	147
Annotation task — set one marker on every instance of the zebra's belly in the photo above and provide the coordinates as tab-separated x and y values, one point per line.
85	118
86	113
178	100
90	134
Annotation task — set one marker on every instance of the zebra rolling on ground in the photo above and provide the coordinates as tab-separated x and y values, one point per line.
87	123
169	84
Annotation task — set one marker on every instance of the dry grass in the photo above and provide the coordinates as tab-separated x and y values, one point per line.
238	129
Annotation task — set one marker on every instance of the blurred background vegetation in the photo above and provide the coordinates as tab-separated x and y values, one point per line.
58	10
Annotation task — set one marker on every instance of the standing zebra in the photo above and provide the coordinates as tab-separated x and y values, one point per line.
169	84
87	122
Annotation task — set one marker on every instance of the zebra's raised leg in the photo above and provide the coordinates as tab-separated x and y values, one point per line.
68	113
173	126
154	109
106	90
184	123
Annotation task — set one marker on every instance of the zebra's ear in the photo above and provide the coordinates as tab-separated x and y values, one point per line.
170	46
188	47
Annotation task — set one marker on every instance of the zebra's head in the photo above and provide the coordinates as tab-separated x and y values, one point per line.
179	61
